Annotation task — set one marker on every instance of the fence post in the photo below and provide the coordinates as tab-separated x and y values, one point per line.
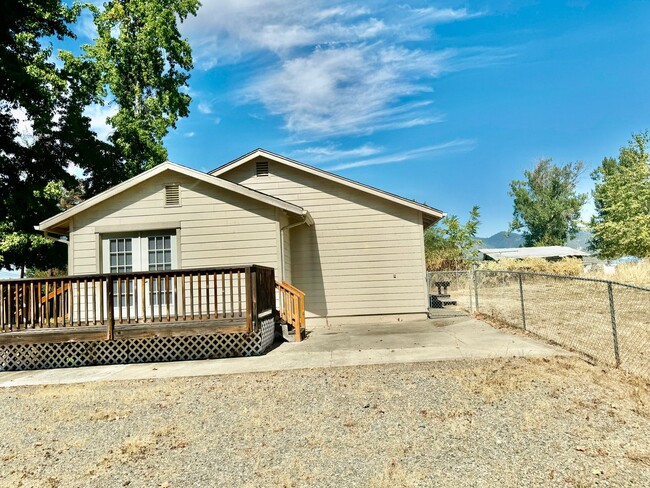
476	290
469	289
521	298
612	313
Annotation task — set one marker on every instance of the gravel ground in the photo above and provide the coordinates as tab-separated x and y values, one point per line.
507	422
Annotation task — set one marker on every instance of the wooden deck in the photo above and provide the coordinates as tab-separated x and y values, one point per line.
104	307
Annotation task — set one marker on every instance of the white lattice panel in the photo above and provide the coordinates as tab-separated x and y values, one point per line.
157	349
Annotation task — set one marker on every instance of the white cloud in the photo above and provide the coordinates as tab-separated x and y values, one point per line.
75	171
413	154
344	91
189	134
204	108
329	68
331	152
98	115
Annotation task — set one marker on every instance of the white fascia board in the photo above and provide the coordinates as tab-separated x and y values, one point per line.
437	214
169	166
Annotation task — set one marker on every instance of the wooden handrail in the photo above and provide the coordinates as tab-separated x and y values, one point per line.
291	306
233	294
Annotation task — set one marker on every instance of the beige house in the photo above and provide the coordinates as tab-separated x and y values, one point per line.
355	251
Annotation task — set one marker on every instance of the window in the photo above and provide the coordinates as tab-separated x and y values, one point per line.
160	253
139	251
120	255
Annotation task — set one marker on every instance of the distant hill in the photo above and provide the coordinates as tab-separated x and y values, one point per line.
502	239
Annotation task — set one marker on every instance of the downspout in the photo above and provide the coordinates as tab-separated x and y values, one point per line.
306	219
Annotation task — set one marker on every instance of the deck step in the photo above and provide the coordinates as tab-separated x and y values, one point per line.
286	332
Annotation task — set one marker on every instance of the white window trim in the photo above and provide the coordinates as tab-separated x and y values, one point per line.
139	249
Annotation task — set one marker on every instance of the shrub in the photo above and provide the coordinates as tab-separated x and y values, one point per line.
565	266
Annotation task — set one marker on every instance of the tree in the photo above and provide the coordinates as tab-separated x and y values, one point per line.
143	63
621	225
450	245
42	129
546	204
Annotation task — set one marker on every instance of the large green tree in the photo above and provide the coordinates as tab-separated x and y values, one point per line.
144	64
42	129
450	244
621	225
546	203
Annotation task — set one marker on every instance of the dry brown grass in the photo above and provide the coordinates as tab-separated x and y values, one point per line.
565	266
632	273
505	422
576	315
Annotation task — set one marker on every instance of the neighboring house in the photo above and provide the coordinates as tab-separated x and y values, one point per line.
546	252
355	251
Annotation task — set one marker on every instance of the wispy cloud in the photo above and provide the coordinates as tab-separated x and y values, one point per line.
330	69
331	152
413	154
204	108
189	134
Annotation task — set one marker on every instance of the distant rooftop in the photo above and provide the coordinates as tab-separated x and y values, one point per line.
533	252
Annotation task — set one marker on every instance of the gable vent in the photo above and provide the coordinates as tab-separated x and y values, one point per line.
262	168
172	195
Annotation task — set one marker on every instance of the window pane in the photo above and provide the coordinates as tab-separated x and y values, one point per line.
168	242
113	245
168	257
129	259
128	244
120	245
152	244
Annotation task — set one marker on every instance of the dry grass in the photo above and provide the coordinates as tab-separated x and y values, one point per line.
506	422
565	266
633	273
576	315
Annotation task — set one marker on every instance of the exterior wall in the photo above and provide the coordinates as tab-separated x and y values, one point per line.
214	227
363	256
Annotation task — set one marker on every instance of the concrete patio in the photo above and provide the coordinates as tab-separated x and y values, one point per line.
446	339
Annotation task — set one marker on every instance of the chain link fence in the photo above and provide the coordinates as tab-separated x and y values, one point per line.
456	284
604	321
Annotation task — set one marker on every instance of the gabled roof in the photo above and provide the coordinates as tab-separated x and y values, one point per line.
433	213
52	223
533	252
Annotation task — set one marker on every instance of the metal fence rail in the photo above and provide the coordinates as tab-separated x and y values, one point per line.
605	321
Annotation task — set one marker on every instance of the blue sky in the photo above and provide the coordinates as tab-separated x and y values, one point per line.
442	102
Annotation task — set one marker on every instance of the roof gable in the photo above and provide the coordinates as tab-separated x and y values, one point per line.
431	214
58	220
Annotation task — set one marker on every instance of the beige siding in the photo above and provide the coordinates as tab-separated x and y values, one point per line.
364	255
217	227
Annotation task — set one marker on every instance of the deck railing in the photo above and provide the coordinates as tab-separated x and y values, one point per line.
291	306
221	296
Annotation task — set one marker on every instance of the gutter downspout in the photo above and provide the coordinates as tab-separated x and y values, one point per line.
306	219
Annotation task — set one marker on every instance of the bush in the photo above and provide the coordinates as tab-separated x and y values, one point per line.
565	266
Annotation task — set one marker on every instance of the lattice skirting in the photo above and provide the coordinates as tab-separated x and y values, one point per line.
156	349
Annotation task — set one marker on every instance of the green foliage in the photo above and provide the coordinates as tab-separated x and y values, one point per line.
546	204
621	225
450	244
143	63
42	128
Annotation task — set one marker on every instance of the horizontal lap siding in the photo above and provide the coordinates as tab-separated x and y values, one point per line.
364	255
218	227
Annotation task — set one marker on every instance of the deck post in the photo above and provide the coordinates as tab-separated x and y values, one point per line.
110	322
254	298
249	300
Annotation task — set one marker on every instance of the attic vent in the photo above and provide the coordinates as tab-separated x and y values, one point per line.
262	168
172	195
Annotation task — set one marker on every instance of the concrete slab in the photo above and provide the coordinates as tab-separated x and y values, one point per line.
343	345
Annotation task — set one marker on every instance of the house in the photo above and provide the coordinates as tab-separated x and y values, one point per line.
355	251
550	253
